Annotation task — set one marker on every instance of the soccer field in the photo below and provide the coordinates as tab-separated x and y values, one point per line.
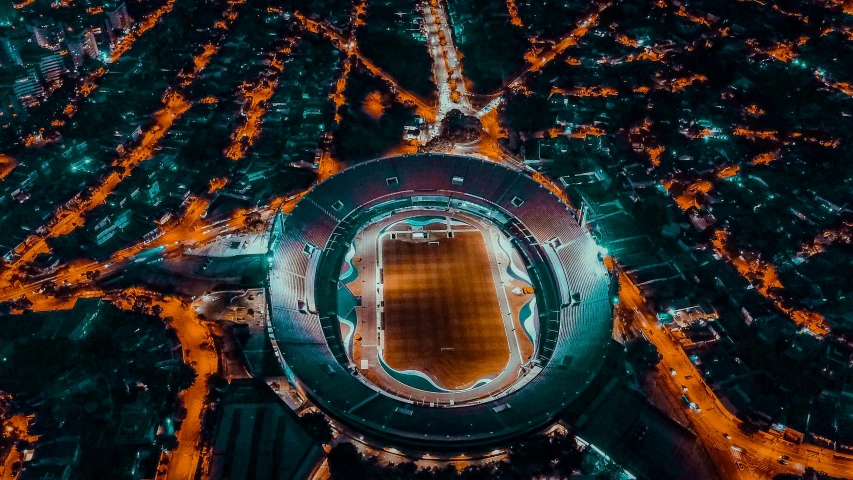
442	315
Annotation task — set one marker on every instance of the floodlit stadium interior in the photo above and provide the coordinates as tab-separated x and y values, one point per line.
367	285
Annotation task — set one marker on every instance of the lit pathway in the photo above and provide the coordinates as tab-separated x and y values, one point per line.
200	354
446	68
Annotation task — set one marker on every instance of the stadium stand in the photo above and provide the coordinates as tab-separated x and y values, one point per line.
573	334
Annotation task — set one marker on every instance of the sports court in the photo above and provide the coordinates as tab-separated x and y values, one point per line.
442	315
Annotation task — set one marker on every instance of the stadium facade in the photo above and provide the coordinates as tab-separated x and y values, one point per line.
571	285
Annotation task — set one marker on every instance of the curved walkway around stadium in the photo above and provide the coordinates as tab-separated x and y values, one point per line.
347	281
368	314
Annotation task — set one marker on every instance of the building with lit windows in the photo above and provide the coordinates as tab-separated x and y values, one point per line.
82	45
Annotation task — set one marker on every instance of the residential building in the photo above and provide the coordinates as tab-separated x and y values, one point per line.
82	45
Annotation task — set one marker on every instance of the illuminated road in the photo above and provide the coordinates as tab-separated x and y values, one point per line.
759	454
189	232
451	86
735	454
70	215
126	42
327	164
452	90
426	111
200	354
256	99
21	423
7	164
193	334
764	276
90	82
538	59
447	71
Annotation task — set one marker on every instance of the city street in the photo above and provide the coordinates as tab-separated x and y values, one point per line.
200	354
189	233
152	145
446	69
739	456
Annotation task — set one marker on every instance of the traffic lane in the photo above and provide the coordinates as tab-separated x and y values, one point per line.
718	419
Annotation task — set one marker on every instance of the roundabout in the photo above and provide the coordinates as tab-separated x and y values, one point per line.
437	301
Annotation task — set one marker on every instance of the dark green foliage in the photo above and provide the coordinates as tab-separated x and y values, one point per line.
642	354
361	137
528	113
317	426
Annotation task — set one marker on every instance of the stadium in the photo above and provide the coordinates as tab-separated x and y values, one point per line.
437	301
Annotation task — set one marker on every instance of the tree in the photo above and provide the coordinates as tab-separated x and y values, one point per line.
554	456
461	128
36	362
168	442
23	304
557	455
254	222
624	313
346	463
528	114
748	428
216	384
185	376
642	354
317	426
